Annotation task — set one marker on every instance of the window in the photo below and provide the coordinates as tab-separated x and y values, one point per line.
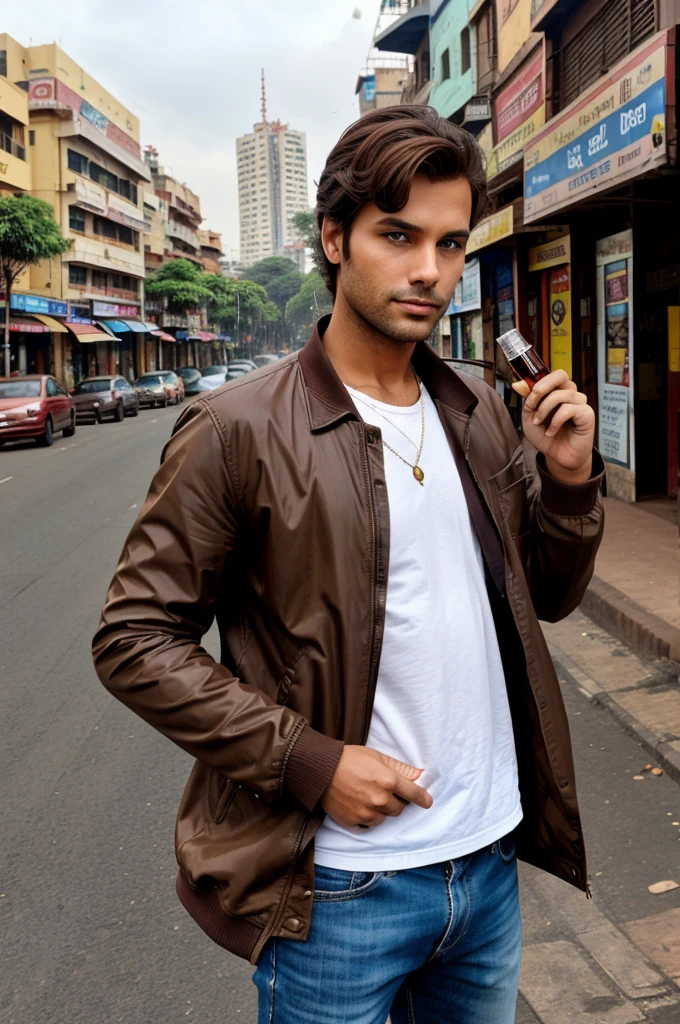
446	65
77	275
124	235
51	387
76	219
465	50
98	279
104	177
77	162
31	137
3	63
105	228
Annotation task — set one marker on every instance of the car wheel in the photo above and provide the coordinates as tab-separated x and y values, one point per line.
177	398
164	403
71	429
119	414
47	439
135	410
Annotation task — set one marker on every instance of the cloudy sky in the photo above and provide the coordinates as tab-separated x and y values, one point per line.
191	72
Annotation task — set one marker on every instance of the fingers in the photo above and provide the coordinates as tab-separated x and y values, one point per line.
581	414
407	770
553	400
412	793
522	388
557	380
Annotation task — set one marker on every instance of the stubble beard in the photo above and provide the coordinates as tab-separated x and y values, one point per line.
380	313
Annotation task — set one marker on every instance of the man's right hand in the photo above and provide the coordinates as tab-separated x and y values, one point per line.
368	786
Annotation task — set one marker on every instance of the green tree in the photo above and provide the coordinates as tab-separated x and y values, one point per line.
266	270
181	283
304	223
305	308
28	234
283	287
239	305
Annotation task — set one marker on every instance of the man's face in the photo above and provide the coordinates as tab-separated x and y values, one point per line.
403	267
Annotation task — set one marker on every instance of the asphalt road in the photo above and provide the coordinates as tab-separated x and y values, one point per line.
91	930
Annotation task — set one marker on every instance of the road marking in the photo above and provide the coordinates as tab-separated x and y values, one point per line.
154	421
5	479
74	445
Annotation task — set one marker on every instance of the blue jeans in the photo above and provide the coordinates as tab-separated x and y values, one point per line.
433	945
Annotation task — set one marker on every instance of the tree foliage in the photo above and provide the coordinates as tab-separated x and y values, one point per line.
264	271
305	226
233	300
28	234
305	308
283	287
181	283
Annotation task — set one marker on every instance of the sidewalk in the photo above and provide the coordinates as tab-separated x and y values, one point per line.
634	597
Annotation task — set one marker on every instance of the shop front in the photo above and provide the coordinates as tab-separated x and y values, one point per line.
36	330
87	349
602	167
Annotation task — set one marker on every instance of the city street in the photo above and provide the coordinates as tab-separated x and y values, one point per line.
91	927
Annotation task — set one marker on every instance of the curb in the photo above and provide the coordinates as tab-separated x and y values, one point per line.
661	750
629	621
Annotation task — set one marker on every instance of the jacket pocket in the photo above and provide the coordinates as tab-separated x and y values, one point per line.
511	485
225	801
288	678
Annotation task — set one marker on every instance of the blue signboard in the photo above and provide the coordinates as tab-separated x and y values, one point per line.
592	154
369	88
38	304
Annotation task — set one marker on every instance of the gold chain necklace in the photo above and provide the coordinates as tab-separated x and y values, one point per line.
414	467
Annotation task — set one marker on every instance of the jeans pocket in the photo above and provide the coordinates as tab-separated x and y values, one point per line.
332	885
506	847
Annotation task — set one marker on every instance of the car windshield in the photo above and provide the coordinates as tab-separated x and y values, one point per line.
169	378
188	373
88	387
149	380
208	371
20	389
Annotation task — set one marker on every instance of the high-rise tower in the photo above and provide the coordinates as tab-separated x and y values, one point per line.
272	188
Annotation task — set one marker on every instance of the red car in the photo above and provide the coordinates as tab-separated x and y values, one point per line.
36	406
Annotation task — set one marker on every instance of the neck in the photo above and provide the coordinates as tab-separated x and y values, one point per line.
367	359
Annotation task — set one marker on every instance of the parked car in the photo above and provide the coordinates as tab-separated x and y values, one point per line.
35	406
265	359
247	364
214	380
209	371
154	390
191	376
97	397
170	377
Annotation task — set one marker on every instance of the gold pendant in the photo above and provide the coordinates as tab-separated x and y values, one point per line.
418	474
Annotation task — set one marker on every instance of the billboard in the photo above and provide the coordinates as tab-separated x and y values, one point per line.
513	18
615	131
51	93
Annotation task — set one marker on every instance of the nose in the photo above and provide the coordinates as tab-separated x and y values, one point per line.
424	269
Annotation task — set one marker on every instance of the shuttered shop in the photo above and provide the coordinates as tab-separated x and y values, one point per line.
615	31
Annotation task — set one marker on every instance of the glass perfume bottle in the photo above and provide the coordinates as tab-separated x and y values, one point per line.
523	357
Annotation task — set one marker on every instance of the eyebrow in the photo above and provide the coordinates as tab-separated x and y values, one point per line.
397	222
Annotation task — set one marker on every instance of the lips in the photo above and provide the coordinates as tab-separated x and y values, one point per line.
413	306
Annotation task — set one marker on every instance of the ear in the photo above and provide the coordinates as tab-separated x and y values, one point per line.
331	240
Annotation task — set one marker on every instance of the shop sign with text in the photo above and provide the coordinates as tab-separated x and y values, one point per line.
112	309
51	93
491	229
36	304
615	132
468	293
550	254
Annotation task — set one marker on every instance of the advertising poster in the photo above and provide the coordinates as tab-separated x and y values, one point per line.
614	262
560	319
604	137
468	293
613	419
513	18
617	322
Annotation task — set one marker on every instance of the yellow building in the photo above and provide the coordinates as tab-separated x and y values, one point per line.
15	175
86	162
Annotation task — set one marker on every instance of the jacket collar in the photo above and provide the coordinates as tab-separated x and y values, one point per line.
329	401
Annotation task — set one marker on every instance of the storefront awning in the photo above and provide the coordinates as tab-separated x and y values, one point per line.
202	336
163	336
54	325
86	333
115	326
28	326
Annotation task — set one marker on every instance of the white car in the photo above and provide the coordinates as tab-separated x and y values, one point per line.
214	380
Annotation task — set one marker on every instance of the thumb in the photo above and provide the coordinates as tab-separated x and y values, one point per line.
407	770
522	388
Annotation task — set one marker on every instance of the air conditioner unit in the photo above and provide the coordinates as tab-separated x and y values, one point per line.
71	187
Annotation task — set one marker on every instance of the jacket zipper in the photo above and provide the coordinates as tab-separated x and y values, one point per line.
273	928
373	659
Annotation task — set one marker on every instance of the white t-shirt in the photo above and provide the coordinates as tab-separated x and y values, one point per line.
441	702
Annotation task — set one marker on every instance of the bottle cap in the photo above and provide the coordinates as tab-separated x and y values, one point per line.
513	344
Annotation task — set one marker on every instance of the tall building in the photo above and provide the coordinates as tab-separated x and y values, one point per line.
183	212
272	187
85	161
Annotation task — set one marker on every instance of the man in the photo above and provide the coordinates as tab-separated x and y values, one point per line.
385	727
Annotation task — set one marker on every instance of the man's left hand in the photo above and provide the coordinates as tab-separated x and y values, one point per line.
567	438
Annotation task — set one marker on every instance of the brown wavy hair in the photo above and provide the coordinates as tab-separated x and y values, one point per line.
376	159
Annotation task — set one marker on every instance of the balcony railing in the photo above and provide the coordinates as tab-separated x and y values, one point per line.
10	145
112	293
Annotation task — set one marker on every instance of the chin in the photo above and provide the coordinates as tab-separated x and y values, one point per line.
410	329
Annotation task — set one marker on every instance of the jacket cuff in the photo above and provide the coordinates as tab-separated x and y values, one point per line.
563	499
311	766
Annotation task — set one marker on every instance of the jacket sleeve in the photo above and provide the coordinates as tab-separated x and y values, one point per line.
147	649
567	524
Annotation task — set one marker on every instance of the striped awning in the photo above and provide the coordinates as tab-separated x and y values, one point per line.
86	333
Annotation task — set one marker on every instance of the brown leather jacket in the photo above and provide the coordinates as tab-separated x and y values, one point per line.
269	513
